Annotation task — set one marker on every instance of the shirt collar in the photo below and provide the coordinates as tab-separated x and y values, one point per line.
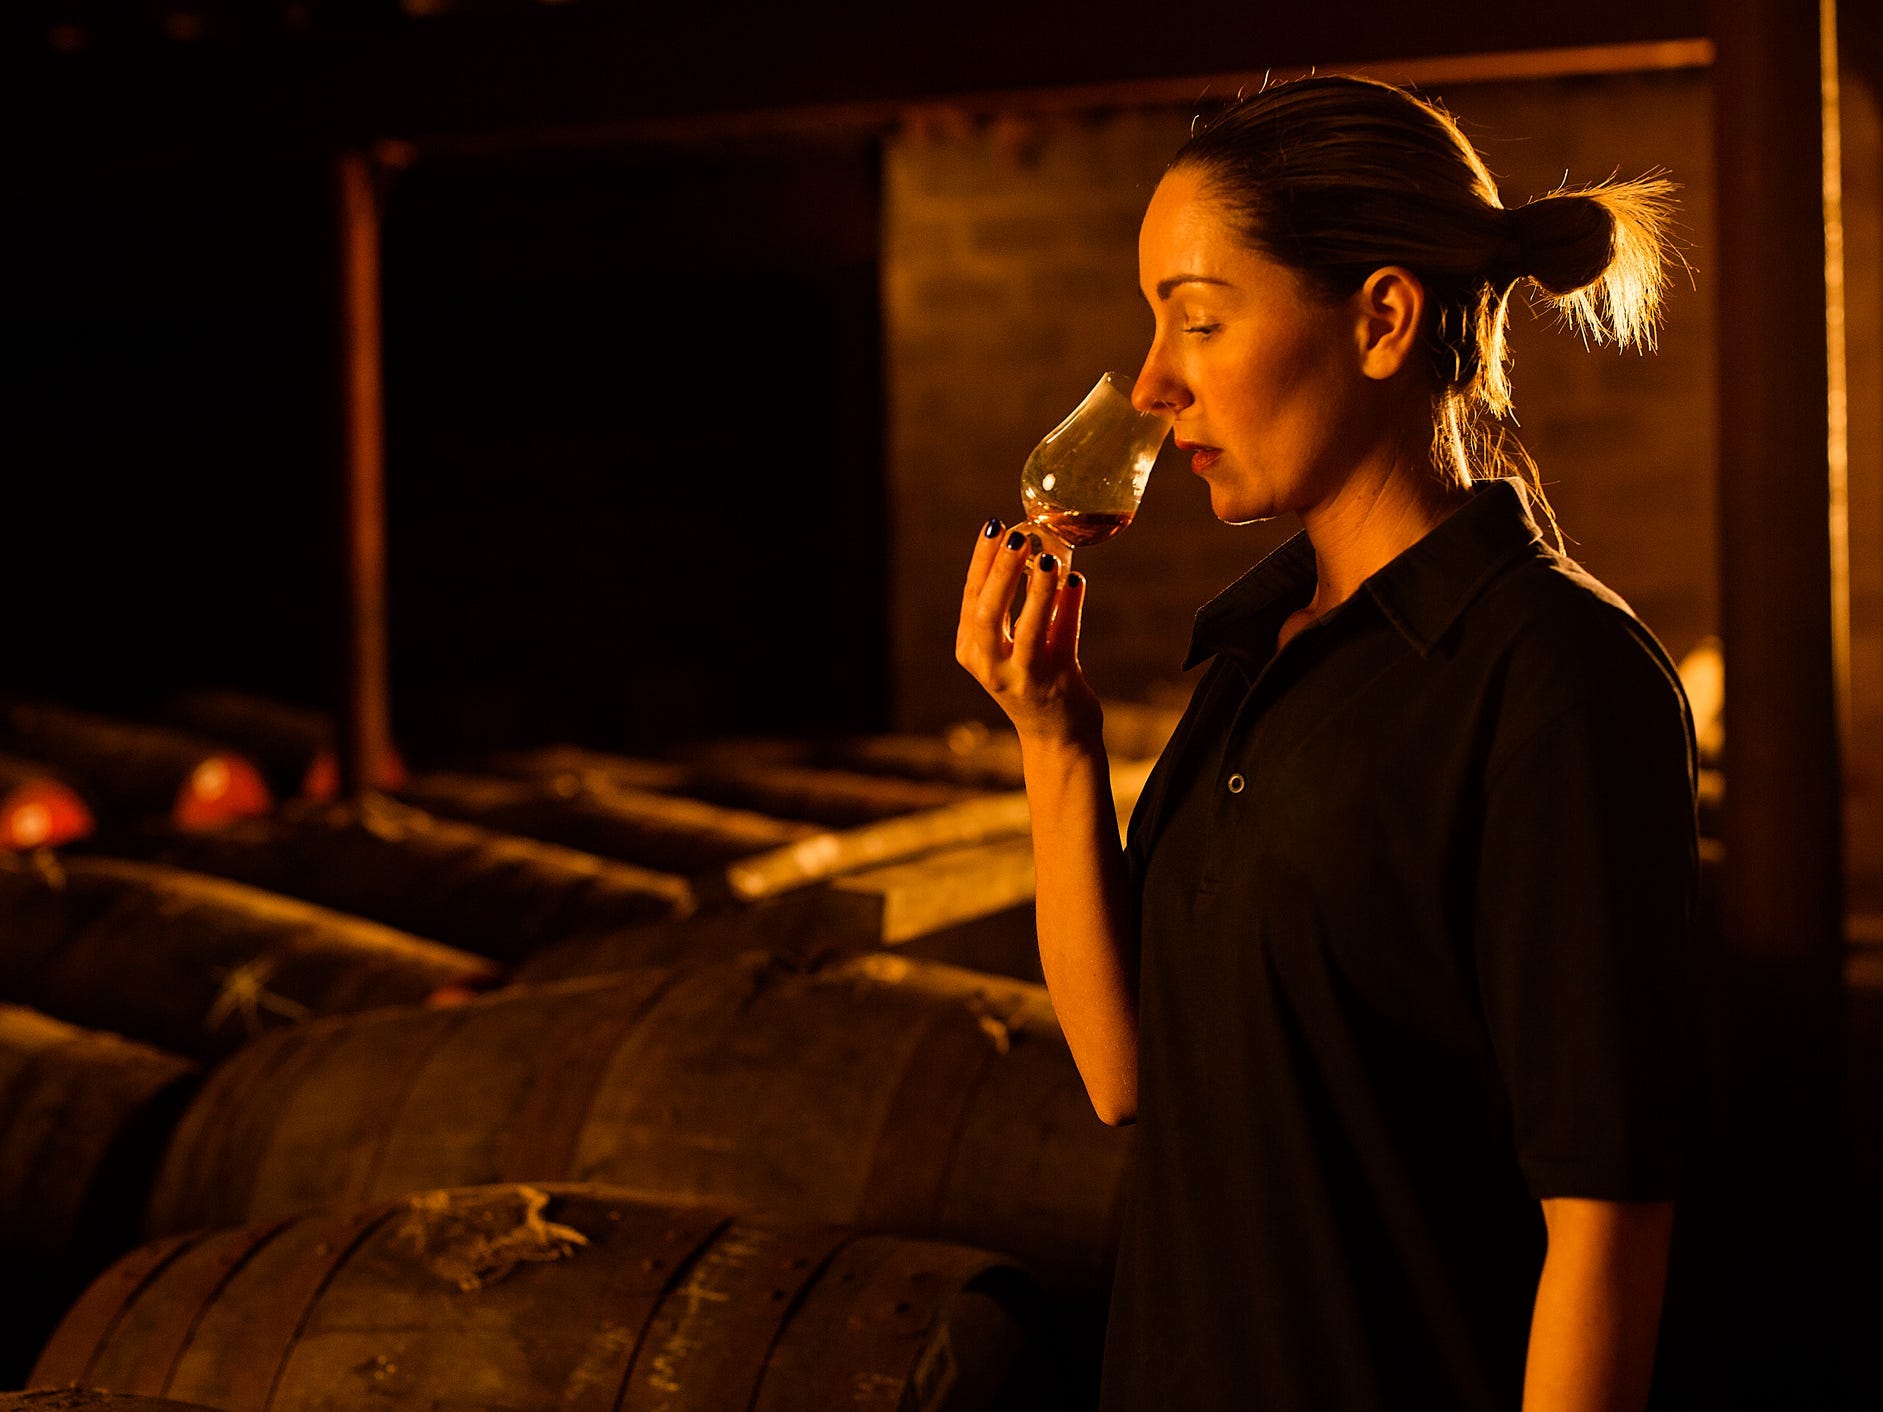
1421	592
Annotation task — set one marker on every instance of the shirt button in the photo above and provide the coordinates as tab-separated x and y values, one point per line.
1236	782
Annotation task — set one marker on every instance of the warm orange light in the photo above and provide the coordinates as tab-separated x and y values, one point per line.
321	783
223	787
211	780
31	825
464	990
42	814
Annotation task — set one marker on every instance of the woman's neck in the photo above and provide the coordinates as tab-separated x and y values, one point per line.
1378	513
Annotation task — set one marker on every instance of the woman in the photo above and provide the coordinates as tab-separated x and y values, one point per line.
1386	973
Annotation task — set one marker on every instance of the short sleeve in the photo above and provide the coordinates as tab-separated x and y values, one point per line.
1585	890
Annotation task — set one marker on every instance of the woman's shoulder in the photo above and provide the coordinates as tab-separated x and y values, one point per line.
1563	640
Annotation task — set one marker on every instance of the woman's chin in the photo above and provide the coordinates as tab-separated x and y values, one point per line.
1234	509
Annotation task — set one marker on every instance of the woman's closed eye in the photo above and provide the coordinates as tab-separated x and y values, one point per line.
1203	329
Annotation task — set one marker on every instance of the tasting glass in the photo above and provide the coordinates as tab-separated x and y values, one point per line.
1083	482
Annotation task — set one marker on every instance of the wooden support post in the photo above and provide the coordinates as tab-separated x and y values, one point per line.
1771	1175
365	720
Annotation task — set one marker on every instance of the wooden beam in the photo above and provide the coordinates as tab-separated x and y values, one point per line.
1770	1176
365	720
1191	91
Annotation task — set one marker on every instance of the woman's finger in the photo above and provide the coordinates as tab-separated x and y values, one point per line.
986	546
1062	635
1029	629
979	644
997	589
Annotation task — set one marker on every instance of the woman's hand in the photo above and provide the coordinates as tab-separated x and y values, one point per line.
1087	913
1031	666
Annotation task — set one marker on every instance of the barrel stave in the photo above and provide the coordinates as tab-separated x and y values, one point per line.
329	1137
245	1330
755	1085
209	1174
500	1058
897	1308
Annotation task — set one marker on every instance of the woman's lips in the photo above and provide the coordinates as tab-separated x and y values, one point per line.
1201	455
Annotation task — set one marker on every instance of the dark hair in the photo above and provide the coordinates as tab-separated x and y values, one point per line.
1335	177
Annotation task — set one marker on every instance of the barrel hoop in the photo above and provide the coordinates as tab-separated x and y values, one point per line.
628	1305
73	1349
257	1382
187	1303
548	1124
915	1148
710	1340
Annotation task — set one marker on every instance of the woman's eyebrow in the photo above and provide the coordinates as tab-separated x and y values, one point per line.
1165	286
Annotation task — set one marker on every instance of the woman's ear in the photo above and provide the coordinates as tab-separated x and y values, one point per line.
1389	316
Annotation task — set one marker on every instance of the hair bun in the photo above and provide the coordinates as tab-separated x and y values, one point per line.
1564	242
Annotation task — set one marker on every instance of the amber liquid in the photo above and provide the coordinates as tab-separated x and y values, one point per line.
1080	528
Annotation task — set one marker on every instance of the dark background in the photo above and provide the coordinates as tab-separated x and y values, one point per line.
633	427
632	340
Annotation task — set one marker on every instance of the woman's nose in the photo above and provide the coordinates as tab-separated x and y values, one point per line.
1156	390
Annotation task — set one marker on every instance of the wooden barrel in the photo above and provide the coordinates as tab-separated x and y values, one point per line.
37	809
293	745
555	1297
491	893
838	798
968	753
835	798
985	818
87	1400
665	831
127	772
583	766
196	964
83	1120
967	906
820	855
882	1093
81	1117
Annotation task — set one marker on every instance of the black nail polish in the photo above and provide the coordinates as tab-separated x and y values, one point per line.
1075	580
1015	540
992	528
1048	564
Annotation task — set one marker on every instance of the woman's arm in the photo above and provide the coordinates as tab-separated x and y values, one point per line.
1598	1306
1087	921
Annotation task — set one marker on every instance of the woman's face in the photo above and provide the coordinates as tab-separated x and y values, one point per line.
1263	378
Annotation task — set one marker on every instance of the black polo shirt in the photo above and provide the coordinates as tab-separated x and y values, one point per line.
1414	891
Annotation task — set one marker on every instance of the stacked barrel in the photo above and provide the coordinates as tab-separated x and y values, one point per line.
561	1079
